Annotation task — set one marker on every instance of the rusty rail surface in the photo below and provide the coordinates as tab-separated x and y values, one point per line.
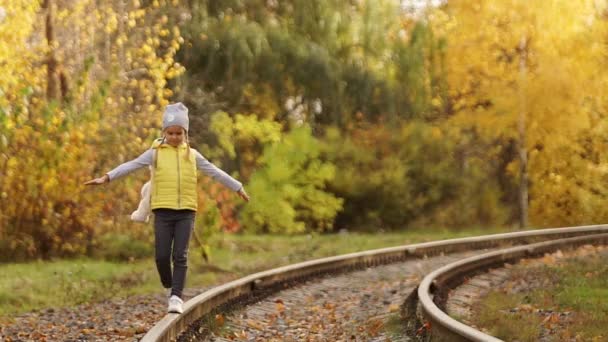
173	325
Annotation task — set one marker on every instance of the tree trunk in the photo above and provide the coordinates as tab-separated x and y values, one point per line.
523	153
52	85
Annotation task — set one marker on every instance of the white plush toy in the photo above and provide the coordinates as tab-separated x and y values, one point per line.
142	214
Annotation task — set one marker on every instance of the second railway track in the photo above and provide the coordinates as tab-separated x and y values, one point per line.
356	303
434	289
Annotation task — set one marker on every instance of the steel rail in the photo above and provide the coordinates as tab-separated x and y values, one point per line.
434	288
170	327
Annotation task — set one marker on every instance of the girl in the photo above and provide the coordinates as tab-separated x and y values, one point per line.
173	196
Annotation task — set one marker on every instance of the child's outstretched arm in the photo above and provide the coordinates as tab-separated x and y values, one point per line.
97	181
219	175
145	159
242	194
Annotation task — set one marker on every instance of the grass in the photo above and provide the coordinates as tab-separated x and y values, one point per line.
517	326
246	254
38	285
578	287
394	325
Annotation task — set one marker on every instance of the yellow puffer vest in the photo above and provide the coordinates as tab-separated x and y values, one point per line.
174	178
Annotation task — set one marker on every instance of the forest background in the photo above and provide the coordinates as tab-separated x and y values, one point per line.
364	115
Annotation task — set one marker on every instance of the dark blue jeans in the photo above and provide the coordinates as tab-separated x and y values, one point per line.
172	231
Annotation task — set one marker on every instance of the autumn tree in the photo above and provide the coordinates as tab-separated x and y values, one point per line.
83	89
530	75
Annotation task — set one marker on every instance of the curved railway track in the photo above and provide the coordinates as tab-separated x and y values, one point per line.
351	297
435	287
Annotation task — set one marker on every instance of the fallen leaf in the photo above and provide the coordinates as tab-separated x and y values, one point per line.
424	328
219	320
255	325
374	327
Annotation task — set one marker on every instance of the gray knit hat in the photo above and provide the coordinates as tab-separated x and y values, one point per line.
176	114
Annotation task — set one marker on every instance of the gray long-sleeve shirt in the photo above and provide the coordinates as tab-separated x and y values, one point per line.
147	158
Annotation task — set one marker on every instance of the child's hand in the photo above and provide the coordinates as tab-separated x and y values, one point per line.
242	194
97	181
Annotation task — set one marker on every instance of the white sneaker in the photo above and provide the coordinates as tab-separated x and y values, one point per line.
168	292
175	305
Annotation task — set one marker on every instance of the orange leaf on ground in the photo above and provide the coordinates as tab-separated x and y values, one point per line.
219	320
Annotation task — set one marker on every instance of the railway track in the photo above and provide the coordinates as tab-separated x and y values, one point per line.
435	287
360	296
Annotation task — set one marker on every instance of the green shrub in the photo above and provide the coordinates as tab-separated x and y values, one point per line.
290	188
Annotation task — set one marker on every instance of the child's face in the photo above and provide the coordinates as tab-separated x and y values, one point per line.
175	135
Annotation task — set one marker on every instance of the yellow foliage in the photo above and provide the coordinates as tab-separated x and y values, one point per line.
109	112
557	92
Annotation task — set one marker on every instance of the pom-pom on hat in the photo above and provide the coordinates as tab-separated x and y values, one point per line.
176	114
